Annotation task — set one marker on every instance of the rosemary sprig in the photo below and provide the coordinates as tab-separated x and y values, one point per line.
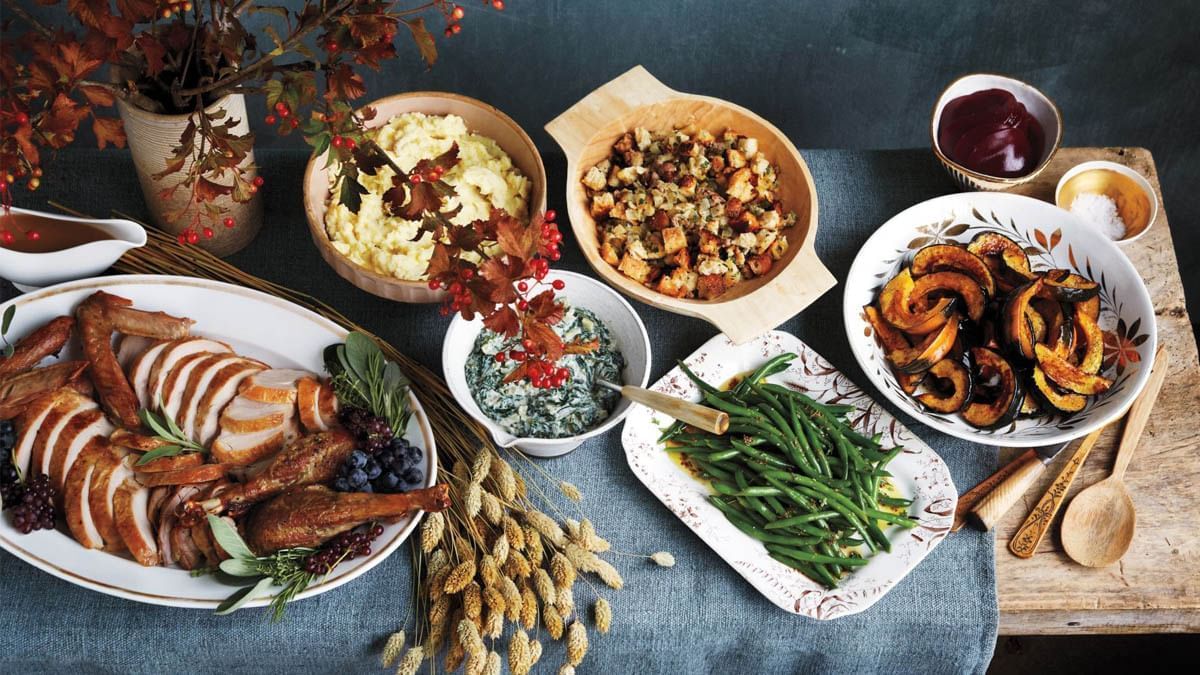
363	377
165	429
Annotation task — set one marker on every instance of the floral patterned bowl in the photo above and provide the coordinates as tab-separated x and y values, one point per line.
1053	238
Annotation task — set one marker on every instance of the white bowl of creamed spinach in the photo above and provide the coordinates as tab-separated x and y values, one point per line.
552	421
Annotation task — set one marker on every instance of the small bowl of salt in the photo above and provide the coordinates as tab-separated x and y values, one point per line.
1118	201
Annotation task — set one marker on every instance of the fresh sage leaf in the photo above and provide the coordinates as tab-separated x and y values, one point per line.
240	597
8	318
229	539
160	451
241	567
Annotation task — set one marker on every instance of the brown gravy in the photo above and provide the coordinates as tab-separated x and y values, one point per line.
52	234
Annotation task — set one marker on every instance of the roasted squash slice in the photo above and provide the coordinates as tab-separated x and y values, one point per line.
1060	332
1016	329
1013	258
893	340
1068	376
993	405
1089	343
1090	307
932	349
1029	405
1054	398
950	384
948	257
1037	324
930	286
1066	286
896	306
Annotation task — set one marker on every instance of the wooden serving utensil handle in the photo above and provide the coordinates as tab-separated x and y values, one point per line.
992	508
700	416
1025	541
1139	413
968	499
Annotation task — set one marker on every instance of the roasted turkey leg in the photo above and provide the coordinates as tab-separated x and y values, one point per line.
39	344
313	515
310	459
17	391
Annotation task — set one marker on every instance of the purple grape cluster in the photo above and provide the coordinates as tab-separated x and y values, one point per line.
35	510
371	432
347	545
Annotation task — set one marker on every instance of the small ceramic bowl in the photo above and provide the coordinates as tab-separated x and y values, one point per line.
30	271
481	118
1038	104
1134	196
581	291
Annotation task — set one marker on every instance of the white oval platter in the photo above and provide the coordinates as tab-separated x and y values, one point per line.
255	324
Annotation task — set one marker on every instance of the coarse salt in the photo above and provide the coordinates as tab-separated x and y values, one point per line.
1100	210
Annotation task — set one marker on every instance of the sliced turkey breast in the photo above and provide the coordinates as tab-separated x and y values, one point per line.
174	385
220	392
168	358
75	496
308	391
244	415
168	519
277	385
129	347
205	373
139	371
27	425
327	405
158	496
44	446
112	467
81	430
242	449
132	518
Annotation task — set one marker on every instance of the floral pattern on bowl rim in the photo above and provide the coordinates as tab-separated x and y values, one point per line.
1052	238
918	473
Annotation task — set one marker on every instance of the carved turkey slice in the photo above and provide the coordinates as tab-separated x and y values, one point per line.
130	347
132	518
69	405
111	469
175	383
81	430
242	449
76	504
27	425
172	355
244	415
220	392
308	391
202	376
277	385
168	519
139	371
327	405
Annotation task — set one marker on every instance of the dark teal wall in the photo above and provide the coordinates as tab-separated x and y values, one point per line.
856	74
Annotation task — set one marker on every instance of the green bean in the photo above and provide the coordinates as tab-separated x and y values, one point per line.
758	454
712	471
907	523
687	449
704	386
895	501
731	408
806	556
722	456
772	366
800	520
760	491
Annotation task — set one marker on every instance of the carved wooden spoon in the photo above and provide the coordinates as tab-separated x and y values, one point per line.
1099	523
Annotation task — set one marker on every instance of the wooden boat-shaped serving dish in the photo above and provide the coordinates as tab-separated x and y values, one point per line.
587	132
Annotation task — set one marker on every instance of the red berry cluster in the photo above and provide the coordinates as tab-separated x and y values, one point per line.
172	8
433	175
282	112
345	546
343	142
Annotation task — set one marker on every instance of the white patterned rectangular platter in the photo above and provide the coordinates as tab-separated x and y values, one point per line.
918	474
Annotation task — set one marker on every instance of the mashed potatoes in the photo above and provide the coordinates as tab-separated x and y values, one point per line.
484	178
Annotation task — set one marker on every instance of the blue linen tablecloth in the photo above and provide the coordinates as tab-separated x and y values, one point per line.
700	616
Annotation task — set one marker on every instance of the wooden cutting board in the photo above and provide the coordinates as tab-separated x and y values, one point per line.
1156	586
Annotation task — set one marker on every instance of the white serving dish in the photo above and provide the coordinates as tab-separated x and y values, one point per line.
28	271
256	325
1053	238
581	291
918	473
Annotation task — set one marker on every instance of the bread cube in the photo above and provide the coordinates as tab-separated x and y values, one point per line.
674	239
638	270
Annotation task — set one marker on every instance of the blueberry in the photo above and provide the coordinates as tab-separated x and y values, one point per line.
373	469
366	487
388	482
341	485
413	476
357	459
358	477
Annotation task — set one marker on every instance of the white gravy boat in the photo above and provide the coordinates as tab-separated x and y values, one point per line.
28	271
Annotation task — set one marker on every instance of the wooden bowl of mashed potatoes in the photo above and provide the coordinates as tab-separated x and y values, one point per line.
499	166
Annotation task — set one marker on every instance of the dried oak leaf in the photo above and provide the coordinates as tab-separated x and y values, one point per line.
446	161
97	95
369	158
60	121
137	10
207	190
24	138
424	40
545	308
516	373
544	338
503	321
581	347
516	239
439	261
344	83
